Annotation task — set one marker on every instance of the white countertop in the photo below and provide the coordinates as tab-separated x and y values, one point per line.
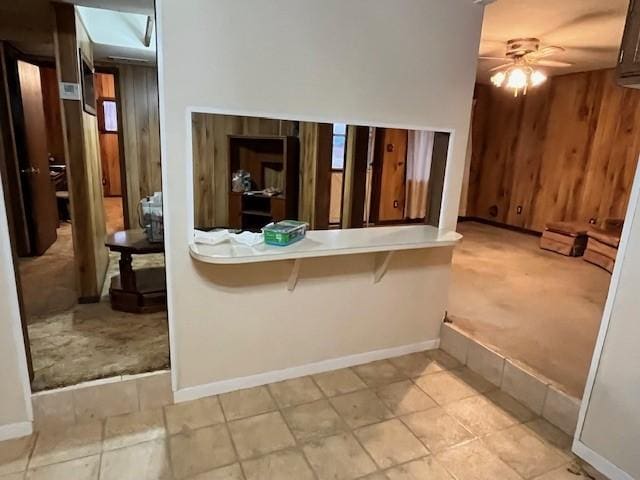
324	243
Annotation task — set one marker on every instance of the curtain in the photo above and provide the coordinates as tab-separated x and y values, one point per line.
419	153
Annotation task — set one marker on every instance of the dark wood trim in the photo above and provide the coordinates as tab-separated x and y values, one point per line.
505	226
376	176
322	194
436	177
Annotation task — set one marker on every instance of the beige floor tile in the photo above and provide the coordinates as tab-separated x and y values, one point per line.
488	363
375	476
453	342
524	451
415	364
474	461
339	382
314	420
132	428
474	380
424	363
244	403
144	461
404	397
376	374
53	410
423	468
390	443
194	414
443	359
155	391
230	472
562	473
437	429
550	433
361	408
295	392
198	451
86	468
339	457
262	434
445	387
14	454
59	445
286	464
510	405
480	416
105	400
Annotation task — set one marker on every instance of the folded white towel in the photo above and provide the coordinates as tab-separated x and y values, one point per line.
219	236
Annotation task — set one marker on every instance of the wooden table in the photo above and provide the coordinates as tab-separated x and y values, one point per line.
136	291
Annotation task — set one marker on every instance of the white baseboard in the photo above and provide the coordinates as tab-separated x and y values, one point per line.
598	462
15	430
223	386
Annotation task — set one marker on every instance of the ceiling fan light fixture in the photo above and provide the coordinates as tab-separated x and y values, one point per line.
537	78
516	79
498	79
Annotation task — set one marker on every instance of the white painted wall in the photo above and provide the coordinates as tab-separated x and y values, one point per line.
406	63
15	393
608	434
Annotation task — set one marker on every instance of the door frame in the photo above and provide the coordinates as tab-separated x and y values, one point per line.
115	71
8	201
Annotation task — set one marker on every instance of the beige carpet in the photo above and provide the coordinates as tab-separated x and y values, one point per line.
73	343
538	307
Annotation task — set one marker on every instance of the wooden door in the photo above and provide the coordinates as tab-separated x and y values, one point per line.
389	172
40	198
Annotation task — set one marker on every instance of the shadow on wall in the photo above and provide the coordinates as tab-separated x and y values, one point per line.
241	277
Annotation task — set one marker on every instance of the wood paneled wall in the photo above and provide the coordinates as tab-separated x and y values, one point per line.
566	151
138	89
83	159
211	176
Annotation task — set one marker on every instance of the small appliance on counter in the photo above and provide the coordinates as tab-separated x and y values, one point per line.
150	217
284	233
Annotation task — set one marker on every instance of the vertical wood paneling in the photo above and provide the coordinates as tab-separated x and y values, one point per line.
211	176
138	88
109	149
567	151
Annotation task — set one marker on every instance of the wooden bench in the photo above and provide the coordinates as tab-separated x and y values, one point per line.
565	238
602	246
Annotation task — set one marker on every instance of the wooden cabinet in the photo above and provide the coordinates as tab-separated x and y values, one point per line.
628	70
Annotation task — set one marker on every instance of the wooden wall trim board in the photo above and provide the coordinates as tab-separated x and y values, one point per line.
83	161
355	176
566	151
435	189
315	173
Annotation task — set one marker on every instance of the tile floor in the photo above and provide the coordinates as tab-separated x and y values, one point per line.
421	416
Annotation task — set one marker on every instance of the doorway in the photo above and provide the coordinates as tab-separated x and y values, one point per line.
111	149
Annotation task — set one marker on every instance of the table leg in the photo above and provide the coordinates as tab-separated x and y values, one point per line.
127	275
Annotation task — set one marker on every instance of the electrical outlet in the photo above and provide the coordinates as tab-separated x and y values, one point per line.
519	210
395	204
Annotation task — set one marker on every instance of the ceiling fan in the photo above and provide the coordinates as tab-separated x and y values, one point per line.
522	54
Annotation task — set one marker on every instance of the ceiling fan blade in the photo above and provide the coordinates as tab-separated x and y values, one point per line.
501	66
553	63
483	57
545	51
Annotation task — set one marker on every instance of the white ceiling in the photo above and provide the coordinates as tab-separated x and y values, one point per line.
118	34
117	28
589	30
